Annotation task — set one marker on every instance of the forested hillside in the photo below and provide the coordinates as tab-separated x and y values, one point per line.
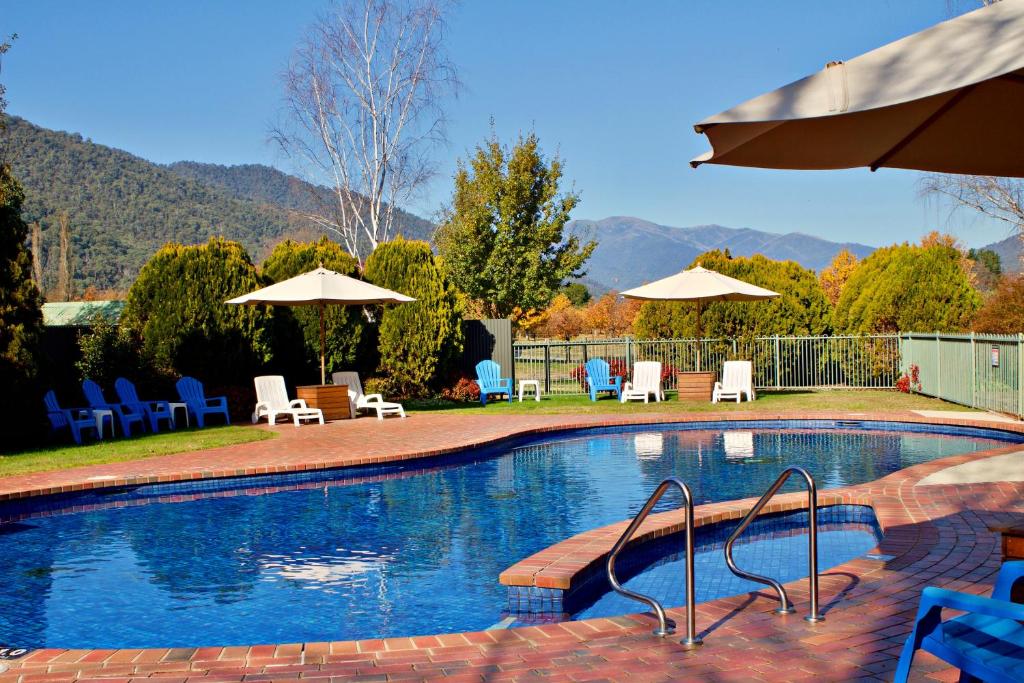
123	208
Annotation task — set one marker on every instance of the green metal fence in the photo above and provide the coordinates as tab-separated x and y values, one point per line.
860	362
977	370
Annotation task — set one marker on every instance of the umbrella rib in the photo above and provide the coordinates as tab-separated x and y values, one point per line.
1013	77
923	126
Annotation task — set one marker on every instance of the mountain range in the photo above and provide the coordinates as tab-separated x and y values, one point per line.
631	251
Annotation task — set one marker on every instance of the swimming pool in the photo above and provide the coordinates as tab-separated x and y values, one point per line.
389	550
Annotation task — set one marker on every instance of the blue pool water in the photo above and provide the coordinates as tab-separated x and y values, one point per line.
388	550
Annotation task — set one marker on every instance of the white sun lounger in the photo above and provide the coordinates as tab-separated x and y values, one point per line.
737	380
360	401
646	381
272	400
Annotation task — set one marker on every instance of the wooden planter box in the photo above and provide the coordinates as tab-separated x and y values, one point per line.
695	386
332	399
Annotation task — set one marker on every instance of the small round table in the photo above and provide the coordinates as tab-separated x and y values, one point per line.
535	383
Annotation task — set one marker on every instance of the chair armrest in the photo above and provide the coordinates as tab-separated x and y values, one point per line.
157	405
261	404
618	382
373	398
298	403
1009	574
505	381
933	598
217	401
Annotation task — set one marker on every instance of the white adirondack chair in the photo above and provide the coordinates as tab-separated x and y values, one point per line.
272	400
360	401
646	381
737	380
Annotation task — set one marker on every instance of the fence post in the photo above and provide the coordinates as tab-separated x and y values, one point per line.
778	384
629	353
1020	375
938	366
547	366
974	374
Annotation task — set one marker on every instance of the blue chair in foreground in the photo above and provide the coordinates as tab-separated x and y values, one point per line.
156	411
598	379
490	381
192	394
126	415
76	420
986	643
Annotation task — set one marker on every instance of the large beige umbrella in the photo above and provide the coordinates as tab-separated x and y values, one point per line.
699	285
948	99
321	287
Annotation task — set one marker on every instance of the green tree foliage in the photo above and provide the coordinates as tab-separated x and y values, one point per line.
21	321
344	324
802	309
176	308
988	259
419	340
908	288
503	239
578	293
108	352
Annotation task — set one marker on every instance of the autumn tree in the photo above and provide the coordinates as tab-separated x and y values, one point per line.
611	315
503	238
908	288
802	308
835	275
364	93
560	320
1003	312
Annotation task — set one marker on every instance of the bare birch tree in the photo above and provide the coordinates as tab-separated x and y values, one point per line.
364	94
37	254
64	284
999	198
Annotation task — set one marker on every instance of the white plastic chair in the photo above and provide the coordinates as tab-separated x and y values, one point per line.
272	400
646	381
737	380
360	401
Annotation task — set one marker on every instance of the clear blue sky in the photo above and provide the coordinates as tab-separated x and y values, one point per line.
614	87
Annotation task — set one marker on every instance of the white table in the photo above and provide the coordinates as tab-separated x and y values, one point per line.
174	413
535	383
99	416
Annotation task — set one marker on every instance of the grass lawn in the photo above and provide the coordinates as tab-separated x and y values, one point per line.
854	401
137	448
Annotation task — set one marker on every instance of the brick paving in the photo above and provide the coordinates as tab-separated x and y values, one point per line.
937	535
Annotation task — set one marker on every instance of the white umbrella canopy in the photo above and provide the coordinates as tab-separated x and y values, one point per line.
321	287
947	99
699	285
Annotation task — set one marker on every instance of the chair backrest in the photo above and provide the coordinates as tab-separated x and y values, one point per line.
53	410
488	371
351	380
190	390
126	391
647	375
270	389
737	374
597	371
93	394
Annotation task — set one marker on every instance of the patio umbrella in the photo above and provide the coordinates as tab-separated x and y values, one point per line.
948	99
321	287
699	285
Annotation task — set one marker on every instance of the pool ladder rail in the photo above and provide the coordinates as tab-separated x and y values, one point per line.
785	605
666	626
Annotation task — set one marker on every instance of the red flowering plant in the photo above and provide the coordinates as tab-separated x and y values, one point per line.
616	368
910	381
464	390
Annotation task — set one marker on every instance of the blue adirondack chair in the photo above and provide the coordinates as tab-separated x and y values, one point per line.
156	411
987	643
76	420
192	394
488	377
598	379
126	415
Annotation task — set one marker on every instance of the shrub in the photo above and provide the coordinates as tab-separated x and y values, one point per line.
464	390
419	340
380	385
344	325
616	368
910	381
108	352
176	308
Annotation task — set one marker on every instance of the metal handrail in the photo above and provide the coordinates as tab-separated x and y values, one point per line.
786	606
666	626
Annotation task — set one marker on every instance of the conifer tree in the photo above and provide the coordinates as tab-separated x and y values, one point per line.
419	340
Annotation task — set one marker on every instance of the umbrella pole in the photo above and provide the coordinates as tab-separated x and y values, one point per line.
698	335
323	333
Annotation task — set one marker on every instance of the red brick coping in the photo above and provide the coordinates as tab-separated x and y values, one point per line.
937	535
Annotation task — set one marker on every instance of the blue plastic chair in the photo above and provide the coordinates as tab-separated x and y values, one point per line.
192	395
76	420
598	379
156	411
987	643
126	415
490	381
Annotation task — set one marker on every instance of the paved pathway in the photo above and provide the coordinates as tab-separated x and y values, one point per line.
936	534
